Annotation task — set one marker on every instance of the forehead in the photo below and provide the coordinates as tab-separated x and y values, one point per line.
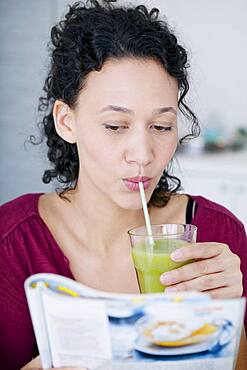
130	80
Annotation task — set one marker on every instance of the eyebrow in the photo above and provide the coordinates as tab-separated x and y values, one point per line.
155	112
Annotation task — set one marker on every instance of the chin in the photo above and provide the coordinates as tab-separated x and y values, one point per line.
131	207
131	203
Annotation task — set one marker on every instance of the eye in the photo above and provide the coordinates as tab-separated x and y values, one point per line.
161	128
115	128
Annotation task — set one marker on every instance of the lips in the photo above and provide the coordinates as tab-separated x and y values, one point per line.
132	183
138	179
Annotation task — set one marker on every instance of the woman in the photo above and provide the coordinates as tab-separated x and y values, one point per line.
117	80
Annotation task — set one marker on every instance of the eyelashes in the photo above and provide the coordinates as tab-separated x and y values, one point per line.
115	128
162	128
121	128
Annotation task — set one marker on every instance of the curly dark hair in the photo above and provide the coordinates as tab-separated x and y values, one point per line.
91	34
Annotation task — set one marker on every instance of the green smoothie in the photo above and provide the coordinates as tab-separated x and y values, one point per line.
149	266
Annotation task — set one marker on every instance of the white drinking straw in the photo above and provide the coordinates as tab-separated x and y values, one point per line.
146	216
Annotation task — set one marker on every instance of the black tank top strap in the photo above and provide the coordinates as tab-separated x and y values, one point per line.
190	210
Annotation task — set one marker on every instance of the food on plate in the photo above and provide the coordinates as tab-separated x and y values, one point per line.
177	333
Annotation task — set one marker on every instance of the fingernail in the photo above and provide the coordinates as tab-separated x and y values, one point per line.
177	255
166	278
170	290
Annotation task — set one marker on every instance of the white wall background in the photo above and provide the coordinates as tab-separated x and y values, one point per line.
214	32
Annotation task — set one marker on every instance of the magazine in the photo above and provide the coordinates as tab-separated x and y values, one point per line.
75	325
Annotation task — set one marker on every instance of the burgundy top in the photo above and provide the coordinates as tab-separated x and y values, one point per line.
28	247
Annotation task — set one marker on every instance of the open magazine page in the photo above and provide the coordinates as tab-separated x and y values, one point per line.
203	334
36	308
78	330
101	330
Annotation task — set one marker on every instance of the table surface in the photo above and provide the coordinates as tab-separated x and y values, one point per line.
242	355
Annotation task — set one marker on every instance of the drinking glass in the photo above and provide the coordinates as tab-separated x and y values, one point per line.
153	259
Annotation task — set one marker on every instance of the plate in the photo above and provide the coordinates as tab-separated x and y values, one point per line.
144	346
121	310
214	343
165	331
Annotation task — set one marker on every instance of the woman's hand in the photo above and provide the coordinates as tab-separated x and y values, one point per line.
215	271
35	364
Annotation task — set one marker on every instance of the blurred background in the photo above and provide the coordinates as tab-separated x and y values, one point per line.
215	35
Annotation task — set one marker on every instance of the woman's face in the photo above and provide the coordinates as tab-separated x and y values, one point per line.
126	126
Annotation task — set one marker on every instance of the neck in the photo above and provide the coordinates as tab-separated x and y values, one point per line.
99	222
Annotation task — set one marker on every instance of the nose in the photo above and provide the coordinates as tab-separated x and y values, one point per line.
139	149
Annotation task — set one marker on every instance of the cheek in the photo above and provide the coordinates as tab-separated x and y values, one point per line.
166	151
173	148
97	155
172	145
89	146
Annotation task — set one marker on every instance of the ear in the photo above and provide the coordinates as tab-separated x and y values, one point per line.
64	122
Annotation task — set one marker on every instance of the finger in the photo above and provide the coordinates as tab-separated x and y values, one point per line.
202	283
192	271
199	251
35	364
224	293
72	368
208	283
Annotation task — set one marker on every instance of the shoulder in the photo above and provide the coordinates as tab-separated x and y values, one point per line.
212	209
17	211
217	223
